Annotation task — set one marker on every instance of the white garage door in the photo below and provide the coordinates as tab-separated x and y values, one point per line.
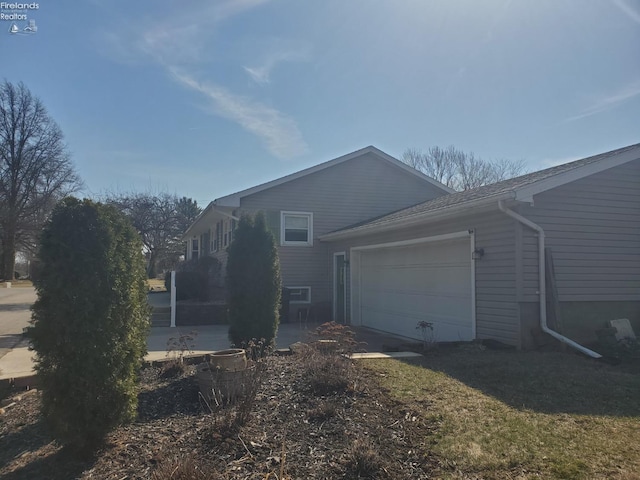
401	286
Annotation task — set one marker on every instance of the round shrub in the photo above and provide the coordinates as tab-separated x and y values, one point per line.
90	321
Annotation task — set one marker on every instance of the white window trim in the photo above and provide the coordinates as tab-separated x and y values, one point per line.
300	302
196	238
309	242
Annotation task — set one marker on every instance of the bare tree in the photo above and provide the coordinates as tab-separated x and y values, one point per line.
35	170
161	219
460	170
505	169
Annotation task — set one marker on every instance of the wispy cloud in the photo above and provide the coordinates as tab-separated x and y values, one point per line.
262	74
279	132
609	101
185	44
628	10
186	38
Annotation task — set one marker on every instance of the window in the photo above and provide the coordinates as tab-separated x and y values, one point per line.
296	228
195	244
299	294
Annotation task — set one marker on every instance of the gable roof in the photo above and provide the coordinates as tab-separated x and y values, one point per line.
224	205
521	188
233	200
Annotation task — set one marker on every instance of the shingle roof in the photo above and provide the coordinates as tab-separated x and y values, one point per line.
499	189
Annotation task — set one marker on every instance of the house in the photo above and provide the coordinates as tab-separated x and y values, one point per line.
476	264
387	247
306	205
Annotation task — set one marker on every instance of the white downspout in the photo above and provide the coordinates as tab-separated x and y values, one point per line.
542	287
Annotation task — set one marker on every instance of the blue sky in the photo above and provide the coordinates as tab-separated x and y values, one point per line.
205	98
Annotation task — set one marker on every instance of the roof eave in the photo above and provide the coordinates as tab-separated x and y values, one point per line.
187	233
526	193
417	219
521	194
212	207
233	200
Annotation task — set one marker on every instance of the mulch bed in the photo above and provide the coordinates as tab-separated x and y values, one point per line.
292	433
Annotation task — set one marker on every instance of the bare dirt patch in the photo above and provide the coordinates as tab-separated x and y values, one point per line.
295	431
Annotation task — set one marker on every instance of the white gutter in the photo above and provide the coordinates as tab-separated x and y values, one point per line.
542	287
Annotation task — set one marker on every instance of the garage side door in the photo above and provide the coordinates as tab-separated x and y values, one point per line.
401	286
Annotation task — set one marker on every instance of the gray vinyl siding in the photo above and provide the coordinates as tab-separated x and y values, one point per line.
345	194
497	314
593	228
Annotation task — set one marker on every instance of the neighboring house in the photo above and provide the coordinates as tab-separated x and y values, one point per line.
472	262
302	207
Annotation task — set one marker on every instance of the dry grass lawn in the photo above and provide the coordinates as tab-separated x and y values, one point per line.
523	414
156	285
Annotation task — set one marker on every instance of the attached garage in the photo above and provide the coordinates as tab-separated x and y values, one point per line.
396	285
582	217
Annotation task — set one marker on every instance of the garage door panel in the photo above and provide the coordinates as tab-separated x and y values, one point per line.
418	254
430	282
446	328
415	300
419	306
440	278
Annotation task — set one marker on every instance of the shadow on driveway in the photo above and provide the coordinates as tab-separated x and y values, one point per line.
15	307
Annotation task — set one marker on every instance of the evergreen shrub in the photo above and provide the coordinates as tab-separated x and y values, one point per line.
90	321
253	282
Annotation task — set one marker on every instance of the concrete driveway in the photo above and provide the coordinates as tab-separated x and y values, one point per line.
214	337
16	359
15	313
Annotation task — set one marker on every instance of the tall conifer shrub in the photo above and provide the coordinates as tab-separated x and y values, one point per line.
253	282
90	321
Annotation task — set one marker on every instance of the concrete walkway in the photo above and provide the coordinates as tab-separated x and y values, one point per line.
159	299
18	362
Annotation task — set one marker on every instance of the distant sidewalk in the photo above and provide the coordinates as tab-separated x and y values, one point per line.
17	362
